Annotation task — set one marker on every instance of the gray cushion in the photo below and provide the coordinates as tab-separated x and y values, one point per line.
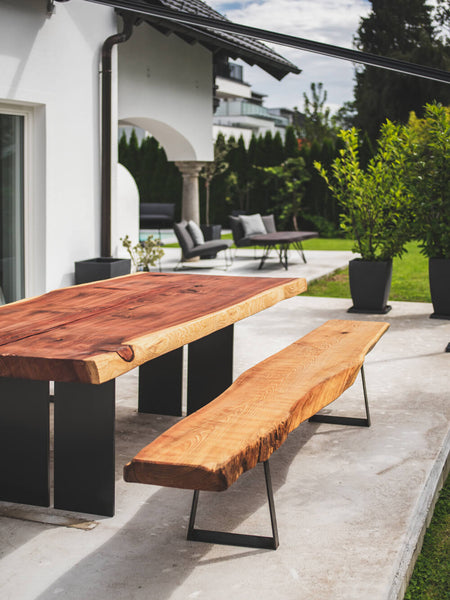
196	233
252	224
210	247
269	223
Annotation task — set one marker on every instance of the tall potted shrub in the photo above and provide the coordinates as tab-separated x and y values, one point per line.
427	150
375	207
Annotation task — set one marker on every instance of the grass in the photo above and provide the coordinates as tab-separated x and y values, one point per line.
431	576
409	277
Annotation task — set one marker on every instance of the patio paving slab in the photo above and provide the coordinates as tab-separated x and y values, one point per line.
351	502
246	262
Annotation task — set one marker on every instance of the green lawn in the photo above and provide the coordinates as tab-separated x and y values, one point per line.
431	577
409	275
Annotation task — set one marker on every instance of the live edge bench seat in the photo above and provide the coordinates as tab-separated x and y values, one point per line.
211	448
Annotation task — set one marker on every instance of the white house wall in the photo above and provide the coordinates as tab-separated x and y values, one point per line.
50	66
165	87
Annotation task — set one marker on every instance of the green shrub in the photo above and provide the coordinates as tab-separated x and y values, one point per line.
376	203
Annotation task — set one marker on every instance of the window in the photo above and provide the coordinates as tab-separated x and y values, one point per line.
12	143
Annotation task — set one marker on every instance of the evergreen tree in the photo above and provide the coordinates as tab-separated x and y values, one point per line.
134	156
290	143
252	150
123	149
277	153
402	30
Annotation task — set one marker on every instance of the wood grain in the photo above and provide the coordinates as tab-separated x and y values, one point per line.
94	332
211	448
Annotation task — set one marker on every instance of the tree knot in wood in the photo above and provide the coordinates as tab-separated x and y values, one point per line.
126	352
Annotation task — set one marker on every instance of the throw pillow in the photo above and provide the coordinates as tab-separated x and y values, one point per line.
252	224
269	223
195	233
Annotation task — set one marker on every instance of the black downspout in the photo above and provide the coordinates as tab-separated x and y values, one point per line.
107	49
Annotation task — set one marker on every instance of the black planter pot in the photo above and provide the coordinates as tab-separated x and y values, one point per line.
439	274
211	232
95	269
370	284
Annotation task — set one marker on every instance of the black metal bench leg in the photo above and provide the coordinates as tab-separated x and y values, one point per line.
237	539
347	420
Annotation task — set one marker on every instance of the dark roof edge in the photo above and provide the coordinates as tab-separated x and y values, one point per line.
235	45
354	56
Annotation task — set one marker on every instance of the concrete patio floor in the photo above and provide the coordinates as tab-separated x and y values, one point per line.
351	502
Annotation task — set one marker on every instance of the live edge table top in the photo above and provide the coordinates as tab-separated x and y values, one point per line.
94	332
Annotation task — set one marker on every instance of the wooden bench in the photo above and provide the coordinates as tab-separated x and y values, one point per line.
211	448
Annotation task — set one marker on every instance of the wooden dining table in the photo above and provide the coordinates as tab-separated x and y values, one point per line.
82	338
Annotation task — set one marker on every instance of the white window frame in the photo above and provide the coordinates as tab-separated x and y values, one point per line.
33	221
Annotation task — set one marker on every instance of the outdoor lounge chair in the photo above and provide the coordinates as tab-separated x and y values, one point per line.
190	238
240	239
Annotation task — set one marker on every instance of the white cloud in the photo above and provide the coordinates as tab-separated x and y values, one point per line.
331	22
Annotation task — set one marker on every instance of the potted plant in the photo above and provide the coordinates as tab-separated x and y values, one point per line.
427	149
144	254
376	214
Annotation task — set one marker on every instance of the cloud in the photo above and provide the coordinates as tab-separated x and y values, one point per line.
331	22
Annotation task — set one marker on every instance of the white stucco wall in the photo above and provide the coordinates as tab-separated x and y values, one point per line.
229	88
125	216
165	87
51	67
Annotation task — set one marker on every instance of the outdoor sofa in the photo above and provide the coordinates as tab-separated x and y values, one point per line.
156	215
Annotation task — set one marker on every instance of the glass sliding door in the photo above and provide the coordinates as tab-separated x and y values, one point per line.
11	207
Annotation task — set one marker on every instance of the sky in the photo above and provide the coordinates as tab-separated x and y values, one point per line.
330	21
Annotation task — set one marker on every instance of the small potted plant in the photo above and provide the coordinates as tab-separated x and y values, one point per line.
144	254
376	214
427	149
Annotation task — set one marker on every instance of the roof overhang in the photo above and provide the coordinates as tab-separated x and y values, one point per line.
219	42
207	25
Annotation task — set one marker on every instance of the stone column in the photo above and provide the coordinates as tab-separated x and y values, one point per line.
190	169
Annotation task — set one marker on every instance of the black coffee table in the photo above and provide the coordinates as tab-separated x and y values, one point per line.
281	241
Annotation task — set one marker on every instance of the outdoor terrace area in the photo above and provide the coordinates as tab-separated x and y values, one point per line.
351	502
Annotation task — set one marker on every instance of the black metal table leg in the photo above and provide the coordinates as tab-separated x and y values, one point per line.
265	255
160	384
84	447
210	367
24	441
299	247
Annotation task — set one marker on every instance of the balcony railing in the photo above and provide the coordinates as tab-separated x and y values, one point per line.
238	108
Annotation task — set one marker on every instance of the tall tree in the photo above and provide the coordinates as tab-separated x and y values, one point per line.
290	143
212	169
402	30
317	124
